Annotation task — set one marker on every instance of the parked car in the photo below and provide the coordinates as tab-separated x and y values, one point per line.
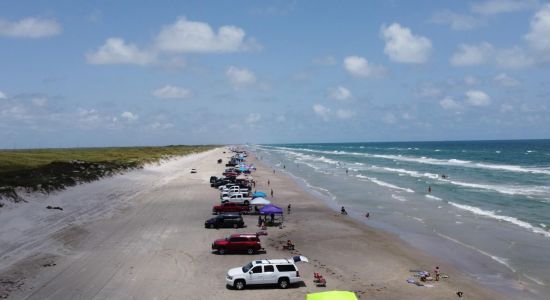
193	170
235	189
239	242
237	198
220	182
213	179
234	220
231	207
282	272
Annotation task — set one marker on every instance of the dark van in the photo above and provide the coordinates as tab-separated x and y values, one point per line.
234	220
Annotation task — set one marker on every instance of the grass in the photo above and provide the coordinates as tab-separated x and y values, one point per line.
48	170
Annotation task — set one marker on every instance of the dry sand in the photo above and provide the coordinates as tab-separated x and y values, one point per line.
158	248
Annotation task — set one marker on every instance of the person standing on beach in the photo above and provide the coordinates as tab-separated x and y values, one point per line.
271	193
436	272
268	182
347	171
429	189
289	208
367	215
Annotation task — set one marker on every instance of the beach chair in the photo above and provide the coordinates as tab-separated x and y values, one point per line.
319	280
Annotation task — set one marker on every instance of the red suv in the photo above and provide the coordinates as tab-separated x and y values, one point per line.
239	242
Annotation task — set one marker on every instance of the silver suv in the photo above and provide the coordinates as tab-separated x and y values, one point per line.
282	272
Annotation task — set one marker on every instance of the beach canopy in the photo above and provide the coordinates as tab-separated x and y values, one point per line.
259	194
260	201
332	295
271	209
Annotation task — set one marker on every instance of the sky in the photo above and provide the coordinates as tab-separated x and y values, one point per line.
124	73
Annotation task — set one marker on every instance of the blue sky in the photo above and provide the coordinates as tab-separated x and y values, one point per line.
109	73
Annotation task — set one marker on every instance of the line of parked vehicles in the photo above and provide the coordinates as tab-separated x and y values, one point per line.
235	196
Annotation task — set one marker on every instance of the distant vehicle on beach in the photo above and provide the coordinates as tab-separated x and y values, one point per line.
234	220
282	272
230	207
239	242
193	171
237	198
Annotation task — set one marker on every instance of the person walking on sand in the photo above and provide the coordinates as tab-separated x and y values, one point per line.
347	171
429	189
271	193
436	272
367	215
288	208
268	182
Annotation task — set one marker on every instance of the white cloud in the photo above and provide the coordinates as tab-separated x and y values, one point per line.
30	28
403	46
505	80
325	61
471	80
389	118
345	114
3	96
538	36
449	103
253	118
172	92
493	7
427	90
340	93
160	125
477	98
454	20
322	111
116	51
40	102
505	108
360	66
129	116
513	58
240	77
468	55
186	36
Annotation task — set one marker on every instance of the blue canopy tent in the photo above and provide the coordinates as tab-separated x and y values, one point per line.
259	194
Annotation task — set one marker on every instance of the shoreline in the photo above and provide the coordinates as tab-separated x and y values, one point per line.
401	250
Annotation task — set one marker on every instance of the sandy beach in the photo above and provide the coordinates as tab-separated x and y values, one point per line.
141	235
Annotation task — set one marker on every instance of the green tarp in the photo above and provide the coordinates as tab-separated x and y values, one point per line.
332	295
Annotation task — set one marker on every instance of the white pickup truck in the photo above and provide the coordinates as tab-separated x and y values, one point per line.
235	189
237	198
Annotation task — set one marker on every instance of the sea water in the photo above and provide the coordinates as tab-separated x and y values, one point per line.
483	206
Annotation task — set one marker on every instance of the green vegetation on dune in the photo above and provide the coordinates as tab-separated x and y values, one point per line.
53	169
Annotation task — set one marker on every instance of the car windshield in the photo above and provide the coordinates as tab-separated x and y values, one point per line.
247	267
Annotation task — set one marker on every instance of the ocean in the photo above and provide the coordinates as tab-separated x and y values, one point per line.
482	206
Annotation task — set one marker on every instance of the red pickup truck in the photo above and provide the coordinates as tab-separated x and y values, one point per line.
231	207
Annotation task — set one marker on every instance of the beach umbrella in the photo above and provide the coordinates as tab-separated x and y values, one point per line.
332	295
260	201
271	209
259	194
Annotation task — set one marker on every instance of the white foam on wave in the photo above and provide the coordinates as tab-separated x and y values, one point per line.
434	197
493	215
503	189
399	197
384	184
501	260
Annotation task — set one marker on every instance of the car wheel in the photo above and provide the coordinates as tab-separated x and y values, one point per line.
283	283
250	251
221	251
240	284
212	226
235	226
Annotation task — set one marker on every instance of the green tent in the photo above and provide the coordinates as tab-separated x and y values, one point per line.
332	295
